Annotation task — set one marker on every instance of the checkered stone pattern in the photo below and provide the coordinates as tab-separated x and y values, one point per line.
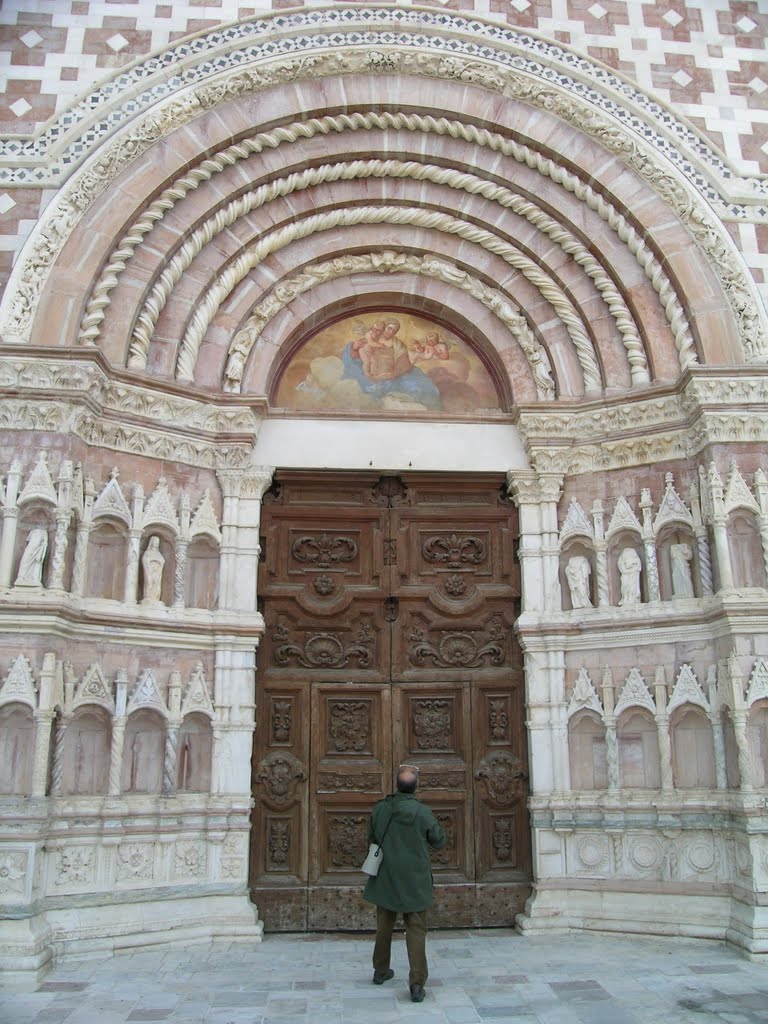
706	60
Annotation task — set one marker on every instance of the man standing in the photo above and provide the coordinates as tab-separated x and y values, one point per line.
406	829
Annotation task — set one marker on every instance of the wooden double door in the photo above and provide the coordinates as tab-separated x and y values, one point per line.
389	605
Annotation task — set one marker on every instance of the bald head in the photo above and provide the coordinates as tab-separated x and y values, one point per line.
407	780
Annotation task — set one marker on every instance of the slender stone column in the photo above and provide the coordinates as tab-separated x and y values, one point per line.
62	722
601	554
761	488
718	735
10	513
180	574
611	739
649	546
118	734
722	550
80	565
662	728
702	543
60	542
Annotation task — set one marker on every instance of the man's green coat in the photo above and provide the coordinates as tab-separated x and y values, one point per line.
404	881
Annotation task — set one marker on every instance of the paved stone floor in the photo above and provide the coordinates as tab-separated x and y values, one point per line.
493	976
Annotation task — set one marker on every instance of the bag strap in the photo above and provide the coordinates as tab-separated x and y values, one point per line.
387	828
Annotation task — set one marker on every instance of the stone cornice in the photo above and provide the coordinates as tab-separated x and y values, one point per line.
704	620
66	617
77	392
708	406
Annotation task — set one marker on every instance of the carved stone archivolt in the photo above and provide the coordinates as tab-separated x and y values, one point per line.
280	773
504	777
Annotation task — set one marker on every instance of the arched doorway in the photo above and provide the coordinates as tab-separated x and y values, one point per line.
389	604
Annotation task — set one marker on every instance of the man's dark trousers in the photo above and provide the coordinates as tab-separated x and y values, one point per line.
415	942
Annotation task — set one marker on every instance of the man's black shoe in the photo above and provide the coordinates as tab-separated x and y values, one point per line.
417	993
379	979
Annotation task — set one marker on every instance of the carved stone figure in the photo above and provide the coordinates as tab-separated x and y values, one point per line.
577	572
629	566
233	373
682	583
31	566
152	563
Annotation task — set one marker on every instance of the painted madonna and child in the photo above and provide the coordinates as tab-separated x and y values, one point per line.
387	363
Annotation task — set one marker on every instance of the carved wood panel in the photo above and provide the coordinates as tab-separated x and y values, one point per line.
389	604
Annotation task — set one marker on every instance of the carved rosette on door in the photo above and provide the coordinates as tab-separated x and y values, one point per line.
389	606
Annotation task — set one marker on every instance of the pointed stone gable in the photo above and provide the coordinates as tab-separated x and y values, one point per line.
577	523
198	696
737	494
584	695
204	520
687	690
93	688
39	486
635	692
160	509
758	682
19	685
672	508
147	695
111	502
623	518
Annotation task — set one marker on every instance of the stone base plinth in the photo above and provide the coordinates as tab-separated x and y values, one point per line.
30	947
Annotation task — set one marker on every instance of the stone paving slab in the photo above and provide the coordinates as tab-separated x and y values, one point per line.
476	977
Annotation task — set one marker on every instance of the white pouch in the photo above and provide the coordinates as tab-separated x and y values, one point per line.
372	862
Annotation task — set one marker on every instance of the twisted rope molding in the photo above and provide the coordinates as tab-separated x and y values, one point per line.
387	262
95	312
276	240
413	170
31	271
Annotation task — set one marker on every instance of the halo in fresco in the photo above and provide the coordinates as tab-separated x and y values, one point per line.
386	362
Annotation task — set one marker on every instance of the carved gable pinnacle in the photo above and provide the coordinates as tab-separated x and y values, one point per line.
687	690
576	523
672	508
94	689
758	682
198	696
635	692
111	502
39	486
623	518
737	494
204	520
147	695
160	510
584	695
19	684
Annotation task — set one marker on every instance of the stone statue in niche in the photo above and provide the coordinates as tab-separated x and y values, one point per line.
31	566
682	583
577	572
152	563
629	566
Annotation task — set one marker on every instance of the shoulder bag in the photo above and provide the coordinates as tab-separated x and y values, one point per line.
372	862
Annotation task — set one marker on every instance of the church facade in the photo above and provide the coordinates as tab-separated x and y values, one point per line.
383	385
